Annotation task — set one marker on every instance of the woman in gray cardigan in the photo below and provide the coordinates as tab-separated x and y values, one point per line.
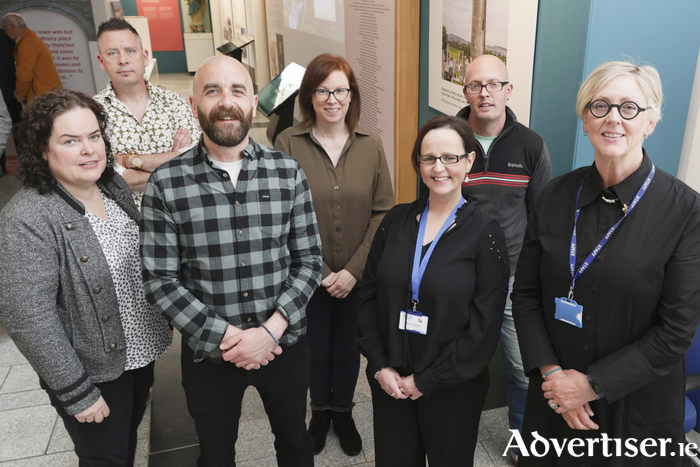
70	278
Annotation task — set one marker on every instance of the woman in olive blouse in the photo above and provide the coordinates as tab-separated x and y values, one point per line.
349	179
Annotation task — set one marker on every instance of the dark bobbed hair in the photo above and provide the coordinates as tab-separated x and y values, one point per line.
32	135
460	125
317	71
116	24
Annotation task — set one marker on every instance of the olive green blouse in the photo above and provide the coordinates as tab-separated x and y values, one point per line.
350	199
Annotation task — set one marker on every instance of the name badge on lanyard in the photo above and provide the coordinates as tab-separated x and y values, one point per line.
567	310
414	320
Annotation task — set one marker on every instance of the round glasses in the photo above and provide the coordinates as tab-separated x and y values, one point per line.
490	87
445	159
628	110
340	94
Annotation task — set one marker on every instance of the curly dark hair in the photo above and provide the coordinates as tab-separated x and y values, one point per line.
32	135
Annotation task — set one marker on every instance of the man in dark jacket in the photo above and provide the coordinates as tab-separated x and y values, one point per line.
511	167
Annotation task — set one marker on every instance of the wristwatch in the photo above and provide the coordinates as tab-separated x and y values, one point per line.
136	162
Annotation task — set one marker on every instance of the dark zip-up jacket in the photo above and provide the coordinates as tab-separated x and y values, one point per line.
505	181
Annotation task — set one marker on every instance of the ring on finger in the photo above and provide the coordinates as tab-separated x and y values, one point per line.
553	405
392	394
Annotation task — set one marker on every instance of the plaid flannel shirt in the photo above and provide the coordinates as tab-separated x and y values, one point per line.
215	255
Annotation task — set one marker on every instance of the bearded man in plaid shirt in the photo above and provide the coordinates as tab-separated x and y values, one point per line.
231	255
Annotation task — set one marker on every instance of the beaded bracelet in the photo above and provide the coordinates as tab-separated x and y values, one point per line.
277	342
548	373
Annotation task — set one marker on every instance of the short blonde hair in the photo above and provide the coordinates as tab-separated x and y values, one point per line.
647	77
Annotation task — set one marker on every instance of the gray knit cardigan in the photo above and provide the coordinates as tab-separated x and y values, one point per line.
57	297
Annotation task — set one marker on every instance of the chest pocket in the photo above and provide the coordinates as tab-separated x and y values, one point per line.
274	212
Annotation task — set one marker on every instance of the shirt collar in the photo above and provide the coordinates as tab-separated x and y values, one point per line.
306	130
626	190
110	95
249	152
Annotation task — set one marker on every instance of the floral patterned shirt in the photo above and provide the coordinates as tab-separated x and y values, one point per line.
166	112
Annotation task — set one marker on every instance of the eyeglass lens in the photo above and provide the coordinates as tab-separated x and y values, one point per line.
323	94
628	110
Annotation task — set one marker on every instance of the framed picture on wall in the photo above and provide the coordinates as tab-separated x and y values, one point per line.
462	30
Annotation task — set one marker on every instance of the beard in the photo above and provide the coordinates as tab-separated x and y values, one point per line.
226	134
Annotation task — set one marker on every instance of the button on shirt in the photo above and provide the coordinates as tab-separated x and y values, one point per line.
215	255
350	198
166	112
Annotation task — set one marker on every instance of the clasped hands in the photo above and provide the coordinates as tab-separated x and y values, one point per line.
397	386
569	389
254	347
339	284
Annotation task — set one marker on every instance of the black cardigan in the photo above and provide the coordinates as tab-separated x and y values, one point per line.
463	294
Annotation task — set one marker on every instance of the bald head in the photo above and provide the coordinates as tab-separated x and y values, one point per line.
224	102
488	64
487	114
216	68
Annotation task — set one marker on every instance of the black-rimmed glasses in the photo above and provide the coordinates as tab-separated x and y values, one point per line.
445	159
628	110
340	94
490	87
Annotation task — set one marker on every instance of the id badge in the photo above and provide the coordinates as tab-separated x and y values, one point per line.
568	311
413	321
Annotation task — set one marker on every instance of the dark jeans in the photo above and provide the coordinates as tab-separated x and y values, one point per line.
444	425
112	442
335	360
214	394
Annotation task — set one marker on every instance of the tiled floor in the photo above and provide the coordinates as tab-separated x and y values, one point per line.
32	436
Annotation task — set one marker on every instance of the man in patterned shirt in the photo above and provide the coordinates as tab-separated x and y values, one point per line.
231	255
148	125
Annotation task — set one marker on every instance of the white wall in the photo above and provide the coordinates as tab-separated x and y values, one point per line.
689	165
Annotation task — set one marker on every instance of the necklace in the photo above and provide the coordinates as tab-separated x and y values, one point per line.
609	201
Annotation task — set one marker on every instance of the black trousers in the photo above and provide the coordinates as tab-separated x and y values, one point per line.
335	360
442	425
112	442
214	394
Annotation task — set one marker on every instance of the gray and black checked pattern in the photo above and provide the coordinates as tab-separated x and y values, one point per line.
215	255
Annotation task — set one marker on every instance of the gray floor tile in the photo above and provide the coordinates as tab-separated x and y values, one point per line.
145	426
495	447
481	457
496	422
20	378
25	432
18	400
264	462
255	440
141	459
362	413
62	459
4	370
60	439
9	354
368	449
252	407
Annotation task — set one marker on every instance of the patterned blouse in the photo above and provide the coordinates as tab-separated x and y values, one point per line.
146	331
166	112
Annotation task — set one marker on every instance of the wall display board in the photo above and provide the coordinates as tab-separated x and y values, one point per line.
164	23
68	43
371	56
362	31
462	30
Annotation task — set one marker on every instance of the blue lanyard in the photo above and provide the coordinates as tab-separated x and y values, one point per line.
572	254
418	265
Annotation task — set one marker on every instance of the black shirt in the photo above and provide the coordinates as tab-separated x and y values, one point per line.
463	294
640	296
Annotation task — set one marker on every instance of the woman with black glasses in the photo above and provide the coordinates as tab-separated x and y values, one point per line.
606	297
351	187
431	305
